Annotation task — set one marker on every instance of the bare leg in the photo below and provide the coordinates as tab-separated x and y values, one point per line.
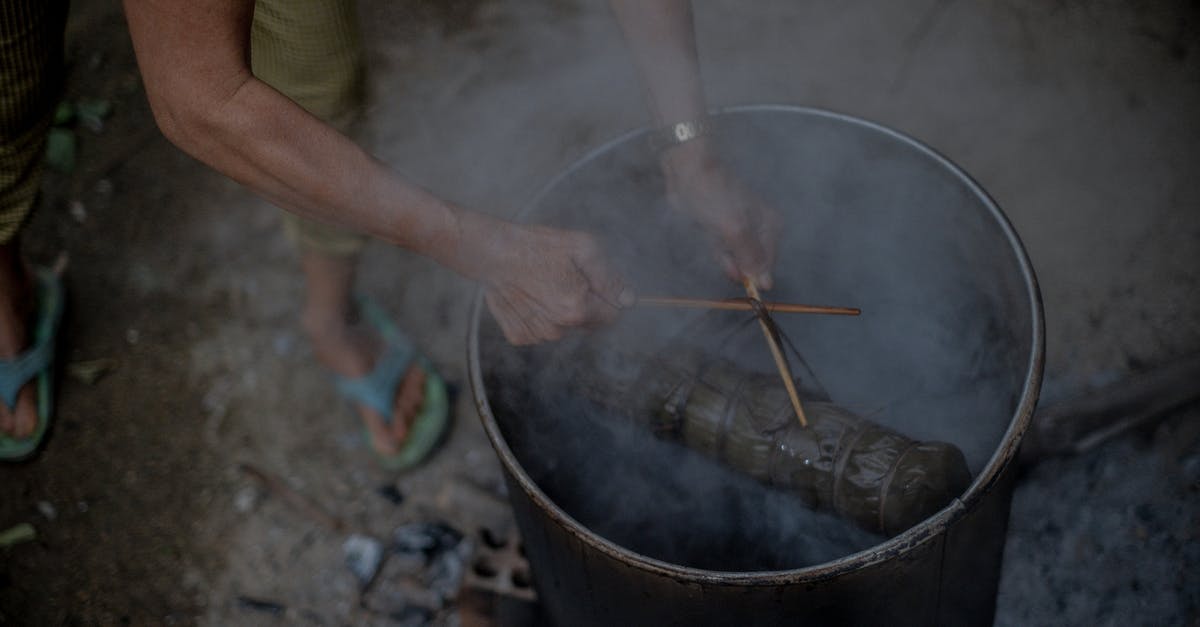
16	307
350	348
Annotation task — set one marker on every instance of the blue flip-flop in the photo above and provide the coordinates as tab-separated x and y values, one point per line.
377	390
37	362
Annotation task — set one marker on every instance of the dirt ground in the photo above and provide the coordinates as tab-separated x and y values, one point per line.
1080	118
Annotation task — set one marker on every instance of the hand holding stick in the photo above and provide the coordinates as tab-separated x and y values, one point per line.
776	351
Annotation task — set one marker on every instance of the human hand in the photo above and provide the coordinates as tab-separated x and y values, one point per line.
745	227
541	281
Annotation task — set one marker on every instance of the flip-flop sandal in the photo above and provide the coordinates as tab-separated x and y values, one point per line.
37	362
377	390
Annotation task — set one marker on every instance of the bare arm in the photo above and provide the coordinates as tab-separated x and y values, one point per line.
661	36
662	39
194	57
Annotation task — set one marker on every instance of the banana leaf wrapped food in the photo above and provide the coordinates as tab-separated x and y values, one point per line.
842	463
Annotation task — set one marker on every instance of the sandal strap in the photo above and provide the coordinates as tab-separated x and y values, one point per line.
14	374
377	390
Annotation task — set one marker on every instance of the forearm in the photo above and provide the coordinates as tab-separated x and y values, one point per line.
264	141
661	37
194	60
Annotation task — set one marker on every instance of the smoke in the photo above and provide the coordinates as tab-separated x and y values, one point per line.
938	354
657	498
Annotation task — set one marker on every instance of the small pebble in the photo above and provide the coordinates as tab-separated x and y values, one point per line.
260	605
393	494
78	211
283	343
132	336
245	499
47	510
425	538
411	616
363	555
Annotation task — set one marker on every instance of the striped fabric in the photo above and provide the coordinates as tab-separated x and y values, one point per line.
311	51
31	53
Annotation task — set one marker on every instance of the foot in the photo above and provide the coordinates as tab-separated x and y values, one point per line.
351	348
16	310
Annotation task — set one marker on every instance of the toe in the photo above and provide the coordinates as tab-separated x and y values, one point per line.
20	422
409	397
8	421
26	418
381	437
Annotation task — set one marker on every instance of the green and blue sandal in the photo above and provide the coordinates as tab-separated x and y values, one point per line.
377	390
37	362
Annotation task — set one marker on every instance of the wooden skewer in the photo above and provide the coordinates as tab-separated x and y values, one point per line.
738	304
777	353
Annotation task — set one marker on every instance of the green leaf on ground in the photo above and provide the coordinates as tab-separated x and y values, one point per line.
64	114
23	532
60	149
92	113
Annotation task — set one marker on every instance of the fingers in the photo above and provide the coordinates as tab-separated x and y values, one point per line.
21	421
769	238
602	281
749	253
516	330
519	319
548	281
755	262
745	228
568	284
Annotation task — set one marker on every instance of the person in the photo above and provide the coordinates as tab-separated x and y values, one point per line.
265	93
31	48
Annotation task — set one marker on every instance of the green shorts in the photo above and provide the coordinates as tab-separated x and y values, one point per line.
311	51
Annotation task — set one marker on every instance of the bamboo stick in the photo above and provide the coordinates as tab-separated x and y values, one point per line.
742	304
777	352
300	502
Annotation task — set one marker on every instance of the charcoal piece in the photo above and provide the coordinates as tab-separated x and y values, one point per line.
425	538
390	492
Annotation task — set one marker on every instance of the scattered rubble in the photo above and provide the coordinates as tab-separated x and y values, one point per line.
47	509
363	555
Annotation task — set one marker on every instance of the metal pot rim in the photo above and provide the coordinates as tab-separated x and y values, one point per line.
897	546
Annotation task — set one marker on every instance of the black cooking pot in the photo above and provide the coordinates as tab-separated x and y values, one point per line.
949	347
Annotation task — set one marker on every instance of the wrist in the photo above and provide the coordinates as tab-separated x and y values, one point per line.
684	160
476	246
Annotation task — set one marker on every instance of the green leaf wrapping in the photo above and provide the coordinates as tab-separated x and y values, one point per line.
881	480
